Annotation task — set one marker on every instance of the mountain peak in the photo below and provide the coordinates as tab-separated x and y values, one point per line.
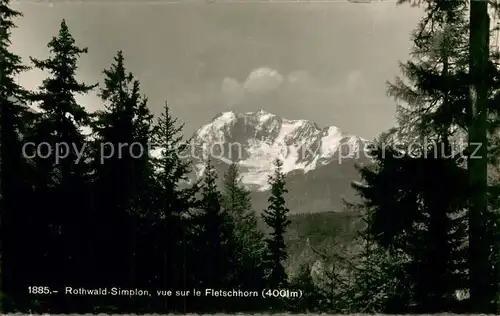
255	139
224	115
259	112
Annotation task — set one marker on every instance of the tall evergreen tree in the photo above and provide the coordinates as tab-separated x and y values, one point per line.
249	239
432	98
62	175
478	86
276	218
251	244
441	103
122	170
412	214
479	44
163	249
15	173
215	242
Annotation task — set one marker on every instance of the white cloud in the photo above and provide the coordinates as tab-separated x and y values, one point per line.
262	80
296	89
259	81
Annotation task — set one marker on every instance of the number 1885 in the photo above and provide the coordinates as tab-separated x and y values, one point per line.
38	290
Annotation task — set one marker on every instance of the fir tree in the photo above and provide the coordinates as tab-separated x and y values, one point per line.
216	242
217	227
412	214
237	203
62	175
249	239
475	114
432	98
122	170
165	238
15	173
276	218
479	41
57	93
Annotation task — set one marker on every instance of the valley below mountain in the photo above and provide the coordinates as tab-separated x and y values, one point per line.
320	165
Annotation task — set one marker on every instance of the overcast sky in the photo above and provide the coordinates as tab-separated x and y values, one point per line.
326	62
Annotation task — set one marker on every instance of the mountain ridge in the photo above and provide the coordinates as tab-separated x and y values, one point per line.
255	139
319	162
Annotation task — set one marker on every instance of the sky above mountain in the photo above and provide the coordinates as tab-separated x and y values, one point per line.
326	62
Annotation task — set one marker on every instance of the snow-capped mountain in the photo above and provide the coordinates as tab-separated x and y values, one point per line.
256	139
319	163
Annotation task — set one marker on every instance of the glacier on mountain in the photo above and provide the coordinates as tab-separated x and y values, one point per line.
255	139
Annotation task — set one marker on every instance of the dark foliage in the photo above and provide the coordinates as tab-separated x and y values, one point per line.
416	209
119	210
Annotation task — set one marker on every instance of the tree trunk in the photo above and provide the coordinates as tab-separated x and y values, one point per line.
480	291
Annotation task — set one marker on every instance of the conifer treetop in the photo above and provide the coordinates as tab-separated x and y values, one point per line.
10	63
63	63
57	92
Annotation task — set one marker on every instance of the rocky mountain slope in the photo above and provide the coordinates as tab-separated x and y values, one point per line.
319	163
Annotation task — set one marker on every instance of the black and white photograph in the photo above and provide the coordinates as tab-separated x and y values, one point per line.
249	156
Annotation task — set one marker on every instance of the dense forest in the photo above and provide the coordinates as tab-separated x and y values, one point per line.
79	216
